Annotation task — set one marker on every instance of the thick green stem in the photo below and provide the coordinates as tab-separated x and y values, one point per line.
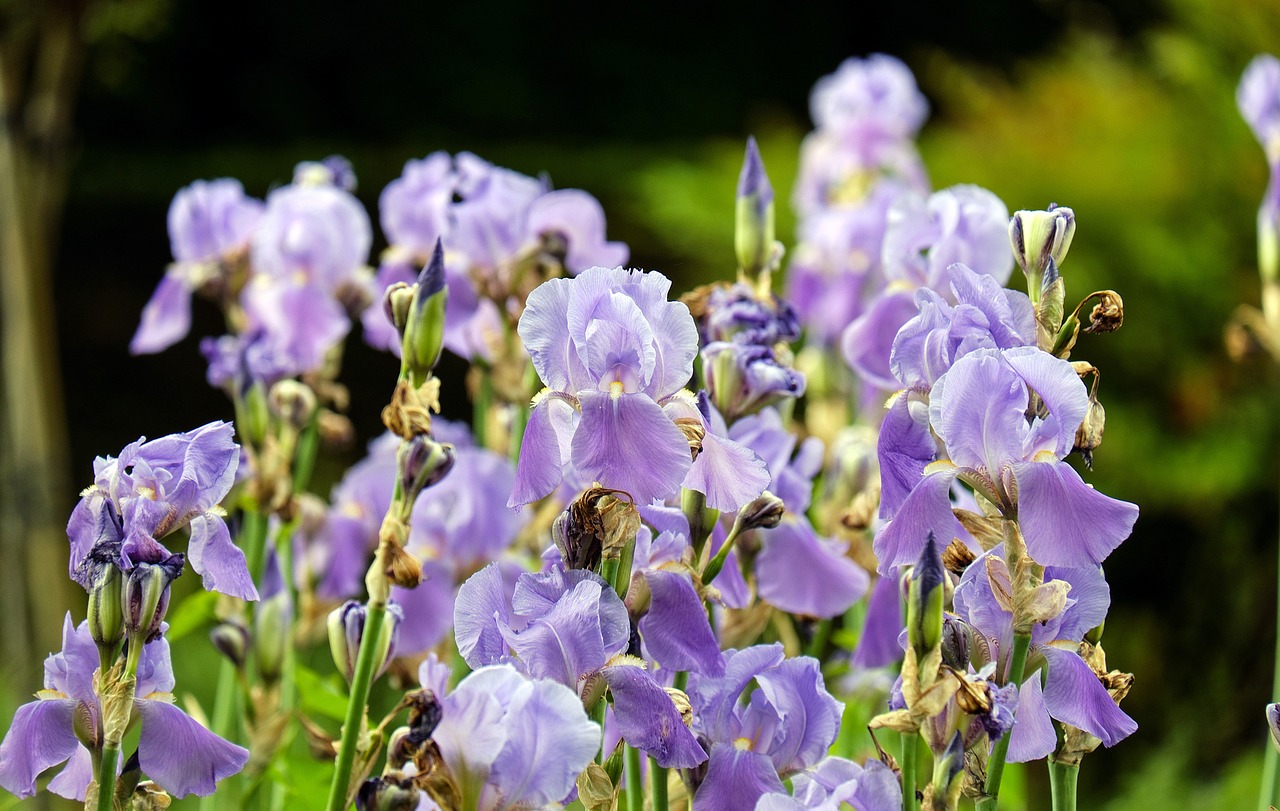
304	460
635	783
717	563
253	541
995	766
1270	793
107	776
658	774
1062	782
910	753
353	725
818	643
597	715
480	411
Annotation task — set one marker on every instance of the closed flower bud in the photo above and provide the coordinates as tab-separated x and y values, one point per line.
392	792
423	462
346	629
424	328
232	641
272	622
293	403
956	638
106	614
925	597
754	232
1040	236
145	598
765	512
744	378
396	301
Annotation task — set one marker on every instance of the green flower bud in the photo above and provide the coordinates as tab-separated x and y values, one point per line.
232	641
346	629
925	593
1038	237
145	598
106	613
292	402
424	327
754	233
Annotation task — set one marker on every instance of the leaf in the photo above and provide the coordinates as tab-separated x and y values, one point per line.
193	613
320	694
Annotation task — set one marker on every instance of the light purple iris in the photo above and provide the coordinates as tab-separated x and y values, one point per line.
570	626
208	222
1258	98
511	742
786	726
1060	684
309	249
236	362
153	489
924	237
173	750
612	351
736	313
837	783
978	410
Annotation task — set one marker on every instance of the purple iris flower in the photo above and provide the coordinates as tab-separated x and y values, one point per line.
735	313
743	378
1258	98
309	251
209	221
837	783
1060	684
173	750
570	626
924	237
511	741
978	410
155	488
236	362
612	351
786	726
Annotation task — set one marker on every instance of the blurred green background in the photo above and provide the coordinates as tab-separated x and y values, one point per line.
1124	111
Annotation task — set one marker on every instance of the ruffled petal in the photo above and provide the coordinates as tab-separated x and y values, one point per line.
1087	603
675	630
1075	696
926	509
167	317
803	574
550	741
567	642
730	475
481	607
628	443
220	562
40	736
1032	736
868	341
809	715
544	450
978	409
649	720
1065	521
715	699
182	756
1061	390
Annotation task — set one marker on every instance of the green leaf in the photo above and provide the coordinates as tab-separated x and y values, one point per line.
193	613
322	695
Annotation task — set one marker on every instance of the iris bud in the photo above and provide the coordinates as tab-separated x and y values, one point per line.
292	402
924	602
423	462
106	614
145	598
232	641
1038	237
346	629
754	233
396	301
956	636
424	327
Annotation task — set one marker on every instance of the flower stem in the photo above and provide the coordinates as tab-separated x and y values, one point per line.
480	411
107	777
1271	761
353	725
597	715
910	752
635	783
1062	781
995	766
658	774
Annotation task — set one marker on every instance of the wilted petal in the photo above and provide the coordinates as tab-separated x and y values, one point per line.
544	450
220	562
801	573
810	716
878	646
648	719
550	741
1065	521
1032	737
628	443
736	779
1075	696
675	630
481	607
925	510
40	736
166	319
182	756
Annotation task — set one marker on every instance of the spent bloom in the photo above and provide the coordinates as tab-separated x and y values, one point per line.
153	489
612	351
66	722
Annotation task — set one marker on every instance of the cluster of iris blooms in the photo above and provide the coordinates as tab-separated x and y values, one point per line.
623	582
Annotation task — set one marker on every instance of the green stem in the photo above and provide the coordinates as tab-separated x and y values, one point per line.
1062	782
480	411
821	635
353	725
658	775
253	540
597	715
717	563
995	766
107	776
304	460
910	752
635	783
1270	793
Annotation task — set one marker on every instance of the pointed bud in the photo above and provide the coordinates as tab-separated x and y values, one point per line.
1273	723
754	233
145	598
948	774
106	613
346	628
232	641
1038	237
924	602
424	328
765	512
